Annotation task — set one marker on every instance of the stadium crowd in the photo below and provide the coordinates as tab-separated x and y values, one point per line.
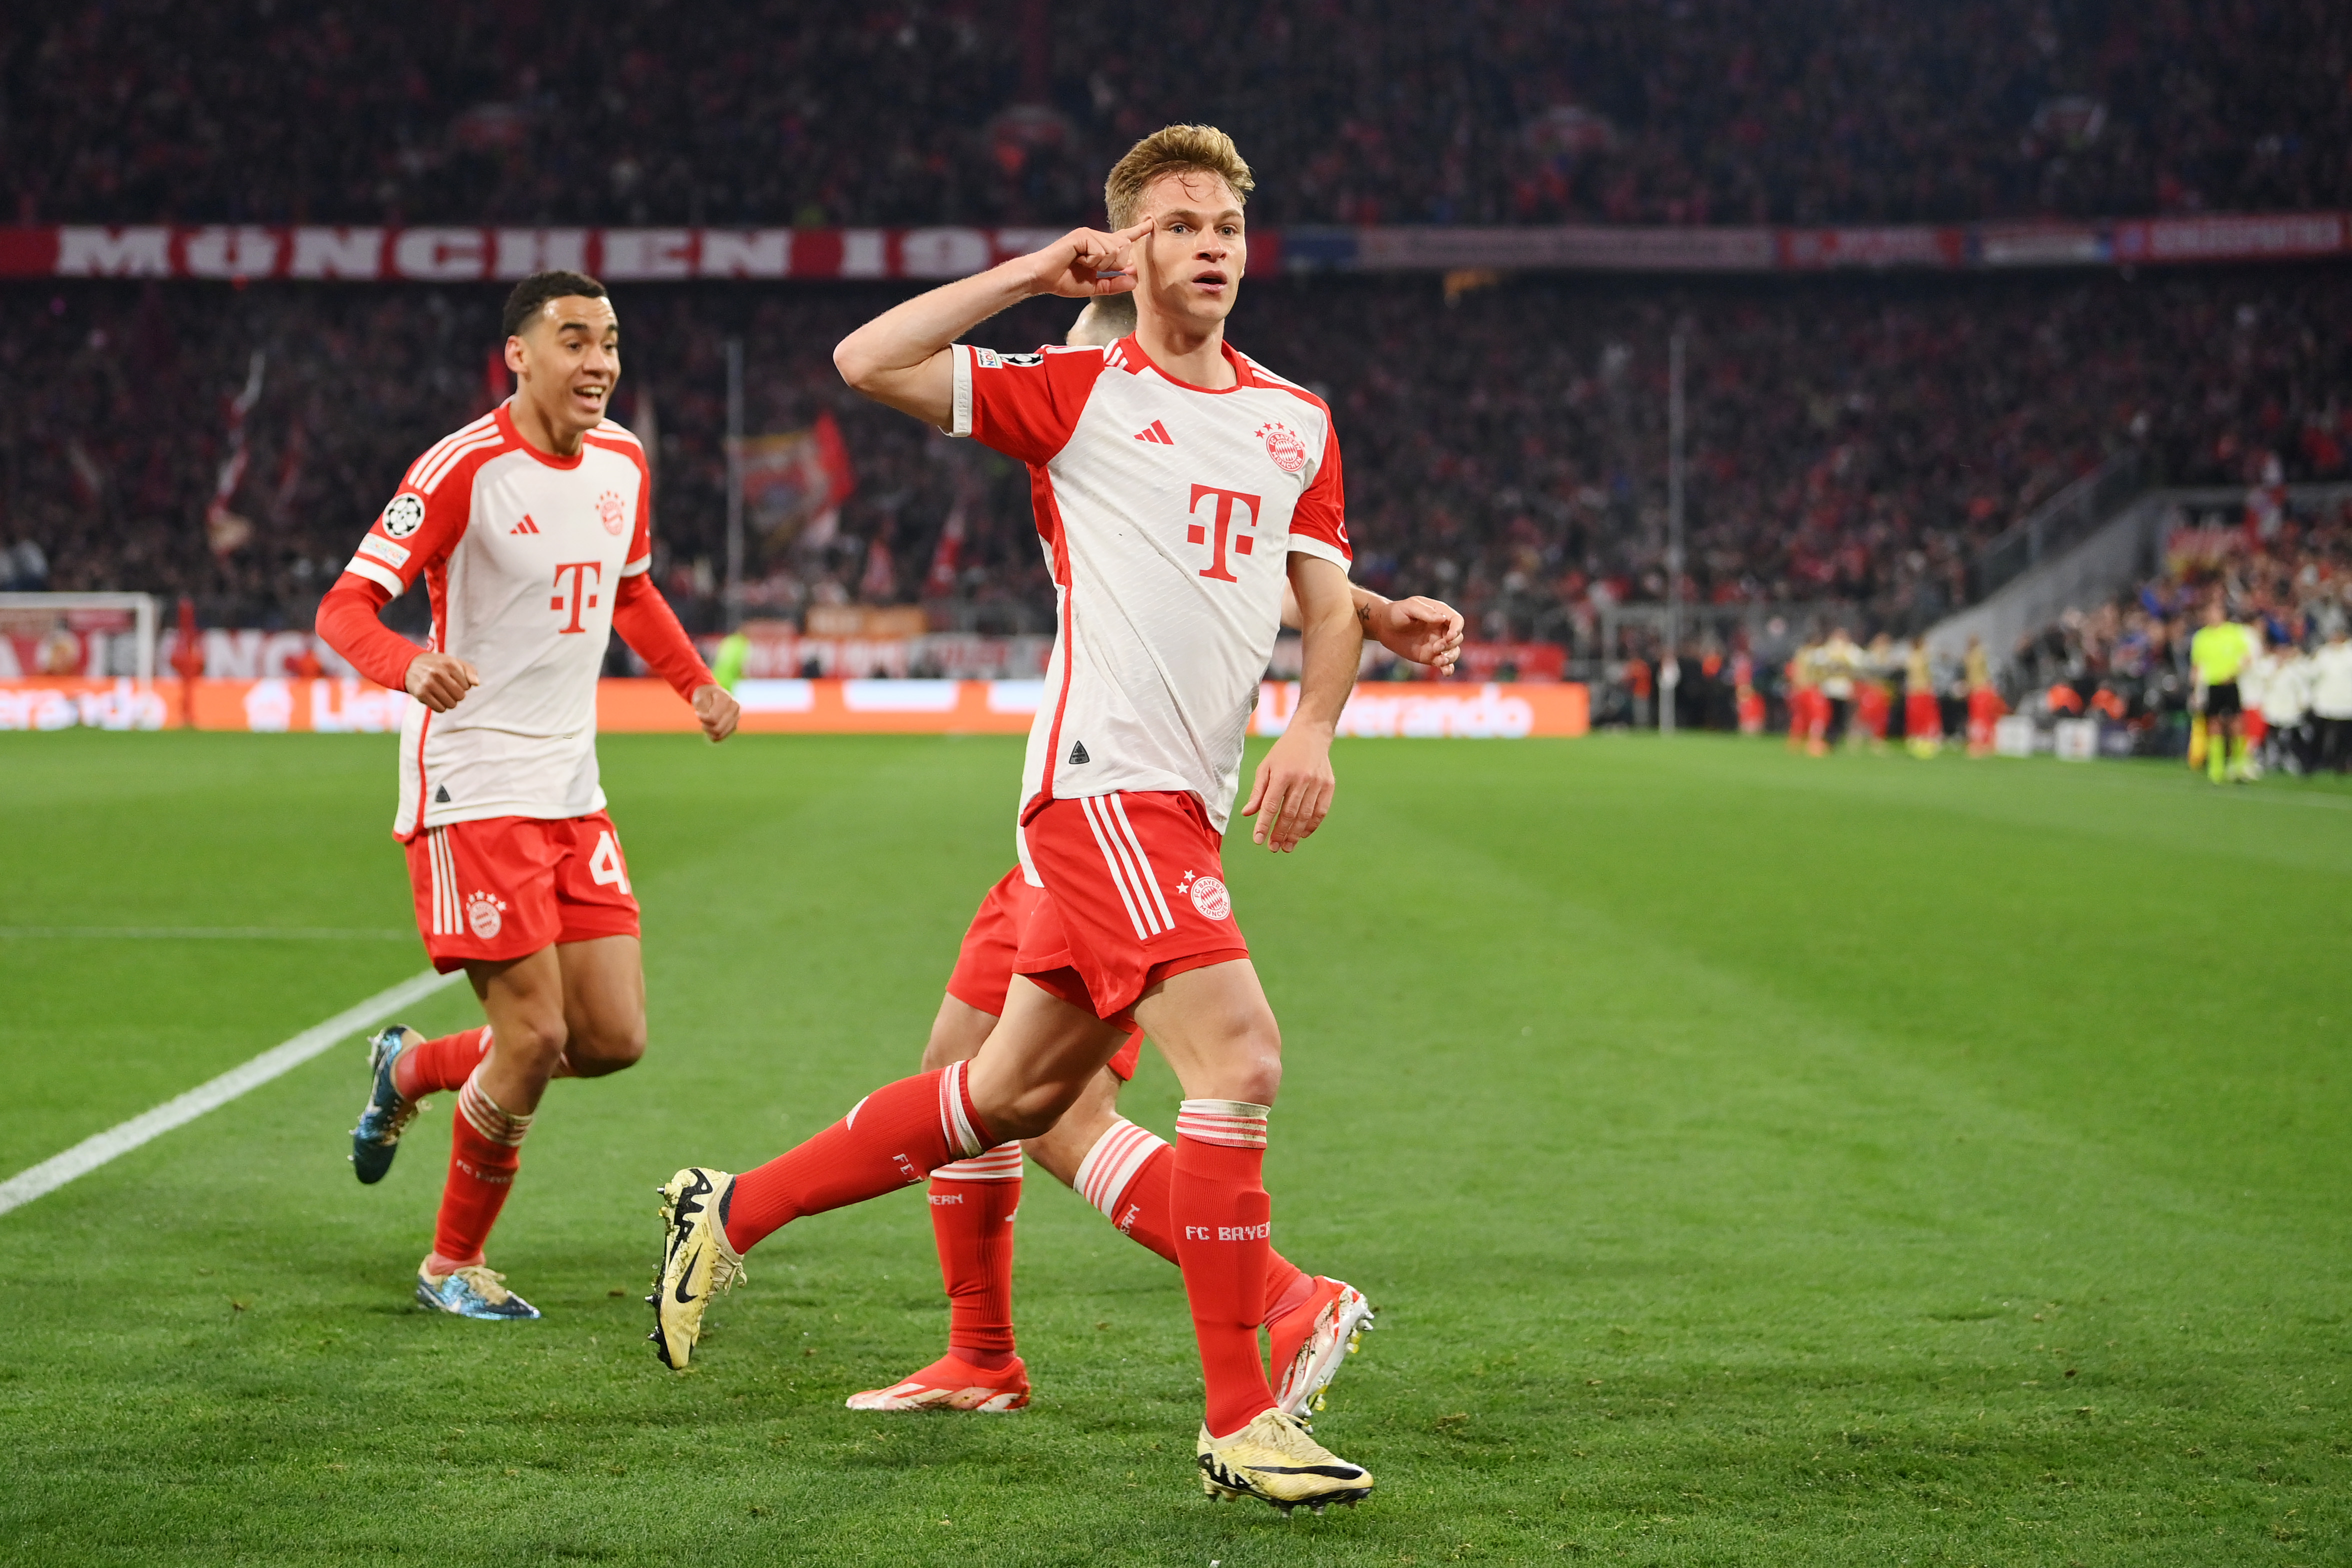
1356	111
2283	571
1852	441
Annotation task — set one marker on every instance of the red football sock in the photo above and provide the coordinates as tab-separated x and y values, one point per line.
1126	1175
972	1205
439	1064
898	1134
1219	1211
485	1153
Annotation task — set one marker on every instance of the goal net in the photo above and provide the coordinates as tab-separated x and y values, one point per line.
89	634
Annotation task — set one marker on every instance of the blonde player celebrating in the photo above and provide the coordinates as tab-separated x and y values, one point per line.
1311	1321
531	529
1178	485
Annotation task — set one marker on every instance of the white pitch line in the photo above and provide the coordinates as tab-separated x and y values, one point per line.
96	1150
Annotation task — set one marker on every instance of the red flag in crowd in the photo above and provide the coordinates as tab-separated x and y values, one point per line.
225	530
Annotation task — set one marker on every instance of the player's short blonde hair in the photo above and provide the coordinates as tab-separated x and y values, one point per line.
1107	319
1173	150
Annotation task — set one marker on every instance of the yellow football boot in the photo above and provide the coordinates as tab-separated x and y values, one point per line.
1273	1458
697	1263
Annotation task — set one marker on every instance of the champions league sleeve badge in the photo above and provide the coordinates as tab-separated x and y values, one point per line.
404	516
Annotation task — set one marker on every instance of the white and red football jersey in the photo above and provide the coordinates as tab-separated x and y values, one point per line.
522	552
1168	512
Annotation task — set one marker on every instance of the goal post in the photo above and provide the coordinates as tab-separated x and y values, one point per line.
92	635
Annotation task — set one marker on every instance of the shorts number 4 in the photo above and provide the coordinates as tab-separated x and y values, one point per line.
605	864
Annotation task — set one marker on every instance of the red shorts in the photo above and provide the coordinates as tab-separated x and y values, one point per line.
1872	705
1800	710
983	971
506	886
1135	892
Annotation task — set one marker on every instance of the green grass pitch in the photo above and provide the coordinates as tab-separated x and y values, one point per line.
1756	1160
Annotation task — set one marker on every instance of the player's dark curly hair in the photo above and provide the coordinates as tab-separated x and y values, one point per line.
539	287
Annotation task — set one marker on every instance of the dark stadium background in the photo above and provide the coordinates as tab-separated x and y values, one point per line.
1857	439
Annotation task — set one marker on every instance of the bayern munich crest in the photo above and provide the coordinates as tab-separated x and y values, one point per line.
610	511
1209	897
1283	445
486	914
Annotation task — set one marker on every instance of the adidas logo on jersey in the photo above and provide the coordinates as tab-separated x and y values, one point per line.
525	526
1077	752
441	796
1157	434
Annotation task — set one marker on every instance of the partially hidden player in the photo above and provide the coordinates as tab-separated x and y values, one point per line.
532	530
1178	484
1123	1170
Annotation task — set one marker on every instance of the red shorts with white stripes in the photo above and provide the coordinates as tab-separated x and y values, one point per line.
506	886
1135	891
983	971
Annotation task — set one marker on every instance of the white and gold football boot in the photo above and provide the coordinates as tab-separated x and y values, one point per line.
1274	1461
1312	1342
696	1262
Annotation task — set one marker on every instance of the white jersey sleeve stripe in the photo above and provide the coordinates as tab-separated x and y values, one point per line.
430	477
486	422
1118	872
1151	877
361	566
431	480
638	567
426	457
480	441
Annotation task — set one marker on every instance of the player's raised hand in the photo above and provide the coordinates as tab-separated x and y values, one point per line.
1086	262
441	680
717	708
1423	630
1292	792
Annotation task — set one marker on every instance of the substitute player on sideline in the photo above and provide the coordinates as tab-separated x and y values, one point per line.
1311	1321
1177	484
531	529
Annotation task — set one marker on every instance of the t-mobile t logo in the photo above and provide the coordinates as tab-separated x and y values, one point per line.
582	594
1242	542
